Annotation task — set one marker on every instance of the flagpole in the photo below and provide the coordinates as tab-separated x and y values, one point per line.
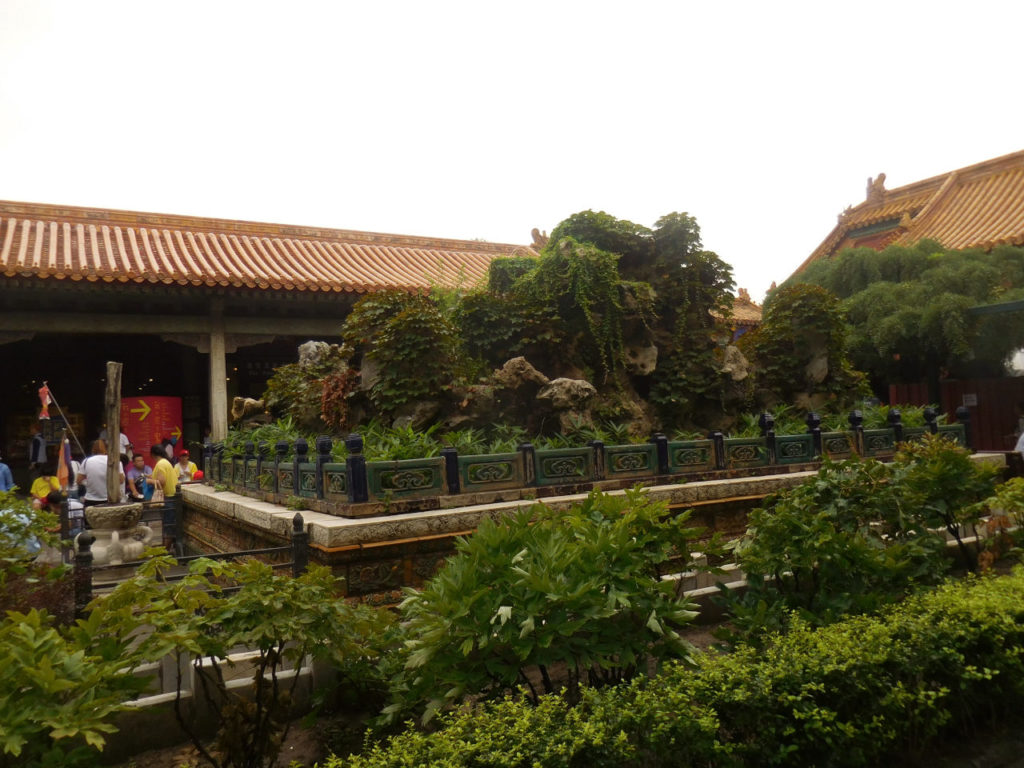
67	424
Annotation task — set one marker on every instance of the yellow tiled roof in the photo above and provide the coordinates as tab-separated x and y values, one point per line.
980	206
70	243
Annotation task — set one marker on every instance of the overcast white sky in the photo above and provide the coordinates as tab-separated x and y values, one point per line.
484	120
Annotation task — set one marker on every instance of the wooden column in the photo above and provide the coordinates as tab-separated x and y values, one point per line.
113	406
218	374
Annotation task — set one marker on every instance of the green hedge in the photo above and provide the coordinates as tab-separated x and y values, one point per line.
850	694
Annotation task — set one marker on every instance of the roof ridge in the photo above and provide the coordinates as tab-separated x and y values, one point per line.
149	220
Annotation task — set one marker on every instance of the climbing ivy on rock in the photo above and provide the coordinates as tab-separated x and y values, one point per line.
412	346
801	347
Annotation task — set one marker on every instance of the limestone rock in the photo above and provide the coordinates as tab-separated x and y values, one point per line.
311	352
244	407
641	361
567	394
817	369
416	415
517	372
734	364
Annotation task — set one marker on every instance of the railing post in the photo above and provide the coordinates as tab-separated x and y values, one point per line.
261	453
280	451
207	460
597	449
218	460
527	452
767	424
931	420
856	419
83	573
355	465
963	415
661	445
813	421
895	419
718	440
300	545
323	456
451	469
301	450
171	519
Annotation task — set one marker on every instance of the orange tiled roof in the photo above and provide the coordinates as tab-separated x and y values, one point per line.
744	311
70	243
980	206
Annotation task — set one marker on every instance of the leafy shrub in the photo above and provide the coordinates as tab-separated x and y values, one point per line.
865	691
219	607
844	541
943	486
26	583
297	391
543	589
58	691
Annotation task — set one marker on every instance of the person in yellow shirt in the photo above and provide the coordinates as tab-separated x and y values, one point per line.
43	486
165	476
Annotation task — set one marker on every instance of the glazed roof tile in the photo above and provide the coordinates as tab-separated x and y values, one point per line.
69	243
980	206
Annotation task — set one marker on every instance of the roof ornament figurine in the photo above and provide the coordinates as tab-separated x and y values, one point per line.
876	188
540	239
905	221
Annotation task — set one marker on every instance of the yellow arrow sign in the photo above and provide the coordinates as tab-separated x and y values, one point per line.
176	434
144	410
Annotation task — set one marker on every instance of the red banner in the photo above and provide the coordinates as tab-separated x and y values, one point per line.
148	420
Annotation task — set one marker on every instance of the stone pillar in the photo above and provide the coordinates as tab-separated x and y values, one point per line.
218	374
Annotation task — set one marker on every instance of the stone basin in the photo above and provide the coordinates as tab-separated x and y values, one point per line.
114	516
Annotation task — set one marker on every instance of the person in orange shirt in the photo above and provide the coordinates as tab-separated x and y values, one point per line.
165	476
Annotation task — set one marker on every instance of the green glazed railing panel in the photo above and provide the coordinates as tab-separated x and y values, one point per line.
335	482
954	432
411	478
491	472
307	480
252	481
285	479
742	452
794	449
630	460
879	441
562	466
238	472
837	445
914	434
691	456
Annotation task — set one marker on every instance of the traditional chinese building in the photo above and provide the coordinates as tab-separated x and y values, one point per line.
197	308
980	206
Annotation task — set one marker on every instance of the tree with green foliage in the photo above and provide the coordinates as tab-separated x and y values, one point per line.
579	589
800	350
909	309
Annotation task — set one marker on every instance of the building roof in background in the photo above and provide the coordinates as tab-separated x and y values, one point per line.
745	313
87	244
980	206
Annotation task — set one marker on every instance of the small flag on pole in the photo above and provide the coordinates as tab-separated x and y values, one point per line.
64	464
44	400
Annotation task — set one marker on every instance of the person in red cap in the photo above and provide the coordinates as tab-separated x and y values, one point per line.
186	469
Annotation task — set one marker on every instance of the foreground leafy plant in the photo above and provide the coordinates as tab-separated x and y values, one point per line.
545	589
58	691
218	607
865	691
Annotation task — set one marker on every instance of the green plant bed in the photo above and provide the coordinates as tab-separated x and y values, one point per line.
869	690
